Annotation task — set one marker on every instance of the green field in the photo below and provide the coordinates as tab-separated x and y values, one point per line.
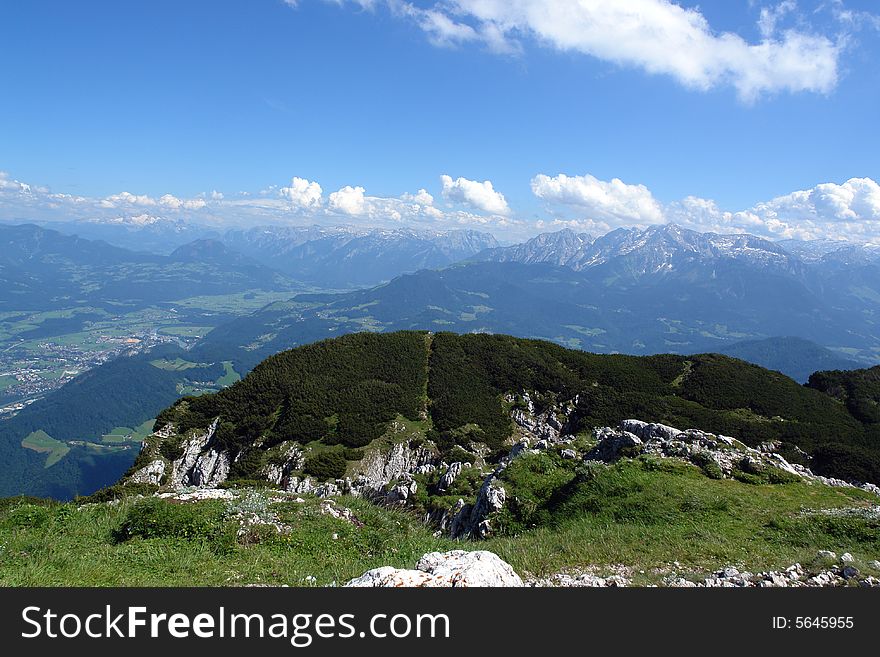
103	329
42	442
241	303
121	435
176	365
186	331
230	376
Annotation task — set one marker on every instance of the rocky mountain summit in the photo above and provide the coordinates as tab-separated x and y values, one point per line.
518	447
393	476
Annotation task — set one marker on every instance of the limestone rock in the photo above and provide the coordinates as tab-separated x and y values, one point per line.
457	568
451	474
613	443
151	473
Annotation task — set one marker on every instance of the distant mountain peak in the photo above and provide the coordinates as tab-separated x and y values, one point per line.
651	250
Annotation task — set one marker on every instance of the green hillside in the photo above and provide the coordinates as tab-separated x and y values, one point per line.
344	392
649	517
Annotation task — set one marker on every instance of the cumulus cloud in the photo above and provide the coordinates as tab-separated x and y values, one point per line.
612	202
302	193
349	200
299	202
127	198
168	201
845	211
422	197
479	195
174	203
850	210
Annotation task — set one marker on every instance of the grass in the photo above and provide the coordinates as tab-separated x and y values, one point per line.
644	514
240	303
648	514
127	434
186	331
41	442
65	545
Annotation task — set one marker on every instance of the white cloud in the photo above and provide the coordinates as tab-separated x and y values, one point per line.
300	202
479	195
770	17
174	203
657	36
612	202
349	200
127	198
422	197
8	185
302	193
847	211
168	201
850	210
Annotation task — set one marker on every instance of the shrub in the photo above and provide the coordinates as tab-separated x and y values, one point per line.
708	465
28	516
457	453
157	518
171	449
118	492
328	464
352	454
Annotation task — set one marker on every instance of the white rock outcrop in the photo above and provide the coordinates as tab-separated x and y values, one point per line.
458	568
151	473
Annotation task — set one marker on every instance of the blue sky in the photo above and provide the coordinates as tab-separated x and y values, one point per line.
541	113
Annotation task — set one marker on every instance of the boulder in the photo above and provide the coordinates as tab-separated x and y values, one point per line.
613	445
457	568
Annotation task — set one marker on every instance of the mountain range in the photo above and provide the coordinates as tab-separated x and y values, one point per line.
43	269
347	258
636	291
340	257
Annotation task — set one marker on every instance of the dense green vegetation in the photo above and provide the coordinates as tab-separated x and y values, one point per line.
341	392
345	391
859	391
795	357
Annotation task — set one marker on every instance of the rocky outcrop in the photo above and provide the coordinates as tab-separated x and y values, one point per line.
549	425
458	569
792	577
290	459
210	469
613	445
726	455
453	470
197	466
473	520
401	491
379	467
152	473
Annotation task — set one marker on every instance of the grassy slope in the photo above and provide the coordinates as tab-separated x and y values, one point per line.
640	514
